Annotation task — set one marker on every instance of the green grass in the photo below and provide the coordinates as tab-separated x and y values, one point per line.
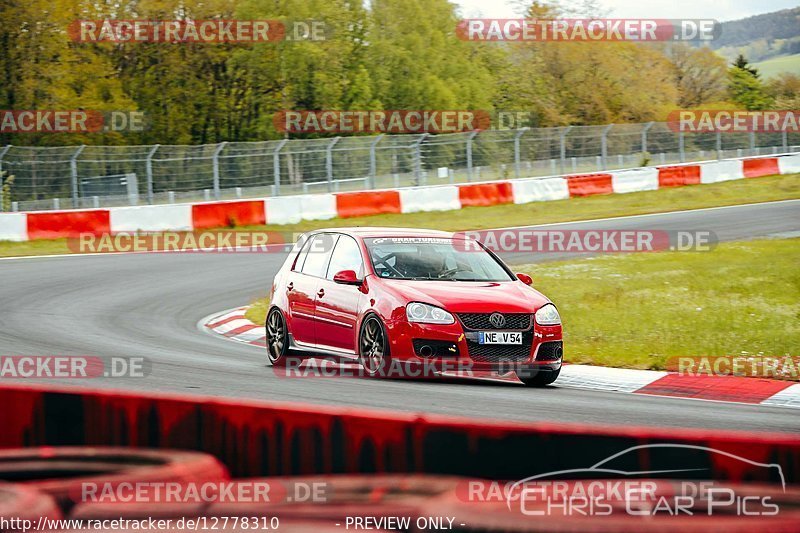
637	310
692	197
776	65
257	312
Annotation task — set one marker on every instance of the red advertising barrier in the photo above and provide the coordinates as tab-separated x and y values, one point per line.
255	439
359	204
228	214
763	166
483	194
678	176
590	184
59	224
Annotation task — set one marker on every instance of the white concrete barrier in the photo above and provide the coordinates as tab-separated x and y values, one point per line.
283	210
725	170
318	206
539	190
176	217
416	199
789	164
634	180
13	227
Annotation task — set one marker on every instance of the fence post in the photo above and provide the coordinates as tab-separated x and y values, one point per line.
73	166
682	146
148	167
3	152
215	163
604	146
563	147
719	145
644	136
784	142
417	146
329	162
373	161
276	165
517	155
752	142
472	135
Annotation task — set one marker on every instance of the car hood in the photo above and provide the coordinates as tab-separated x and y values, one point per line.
472	296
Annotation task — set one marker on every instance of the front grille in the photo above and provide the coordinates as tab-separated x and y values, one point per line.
550	351
480	321
501	353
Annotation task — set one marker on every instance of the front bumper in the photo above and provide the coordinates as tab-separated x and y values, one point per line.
454	347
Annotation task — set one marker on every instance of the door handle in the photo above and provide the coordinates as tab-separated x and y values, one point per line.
290	286
321	293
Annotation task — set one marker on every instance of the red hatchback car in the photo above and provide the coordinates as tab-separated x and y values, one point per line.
386	296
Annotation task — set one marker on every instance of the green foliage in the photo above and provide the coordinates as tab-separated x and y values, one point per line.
384	54
747	90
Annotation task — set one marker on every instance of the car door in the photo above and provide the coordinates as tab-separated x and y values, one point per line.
337	305
302	286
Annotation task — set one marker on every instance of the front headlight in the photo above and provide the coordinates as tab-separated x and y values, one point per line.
428	314
547	315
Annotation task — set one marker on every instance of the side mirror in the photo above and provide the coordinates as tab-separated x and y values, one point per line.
524	278
346	277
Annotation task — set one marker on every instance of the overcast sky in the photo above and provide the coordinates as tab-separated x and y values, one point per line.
686	9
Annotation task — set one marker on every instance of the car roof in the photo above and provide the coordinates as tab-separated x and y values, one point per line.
369	232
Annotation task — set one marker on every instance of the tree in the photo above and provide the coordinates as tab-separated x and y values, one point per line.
785	89
745	88
700	75
741	63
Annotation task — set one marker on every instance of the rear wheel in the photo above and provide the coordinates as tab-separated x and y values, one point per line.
541	378
373	346
277	338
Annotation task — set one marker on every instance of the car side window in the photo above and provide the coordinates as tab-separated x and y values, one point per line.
301	256
346	256
318	255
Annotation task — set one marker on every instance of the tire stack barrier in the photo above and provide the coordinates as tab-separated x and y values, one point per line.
18	502
62	472
544	510
318	498
256	439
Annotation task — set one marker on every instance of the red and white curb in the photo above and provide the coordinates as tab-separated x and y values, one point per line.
232	325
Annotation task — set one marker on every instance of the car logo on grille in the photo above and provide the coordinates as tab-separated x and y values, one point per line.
497	320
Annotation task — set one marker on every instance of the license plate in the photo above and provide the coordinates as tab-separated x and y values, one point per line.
500	337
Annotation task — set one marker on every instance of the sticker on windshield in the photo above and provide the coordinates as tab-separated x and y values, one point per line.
412	240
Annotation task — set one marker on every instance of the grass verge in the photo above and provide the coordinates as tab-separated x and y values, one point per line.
765	189
257	312
638	310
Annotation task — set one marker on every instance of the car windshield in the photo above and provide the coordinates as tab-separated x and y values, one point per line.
427	258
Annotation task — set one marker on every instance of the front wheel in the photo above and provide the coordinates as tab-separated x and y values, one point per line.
541	378
373	346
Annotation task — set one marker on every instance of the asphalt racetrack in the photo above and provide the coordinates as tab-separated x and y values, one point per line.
149	305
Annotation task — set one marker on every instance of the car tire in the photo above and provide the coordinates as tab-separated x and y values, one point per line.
373	347
541	378
277	338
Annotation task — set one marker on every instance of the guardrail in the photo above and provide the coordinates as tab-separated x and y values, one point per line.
55	177
292	209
